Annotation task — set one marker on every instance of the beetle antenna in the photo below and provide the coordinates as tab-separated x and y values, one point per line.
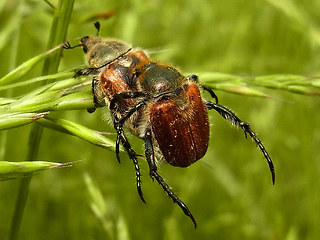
230	116
97	26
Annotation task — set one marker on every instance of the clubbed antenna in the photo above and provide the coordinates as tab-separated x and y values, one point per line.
97	26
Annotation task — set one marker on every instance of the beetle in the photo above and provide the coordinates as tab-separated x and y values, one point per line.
157	103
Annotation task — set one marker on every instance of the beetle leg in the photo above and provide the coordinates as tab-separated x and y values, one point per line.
154	175
118	123
96	102
149	152
86	72
124	95
67	45
132	155
230	116
92	109
212	94
128	114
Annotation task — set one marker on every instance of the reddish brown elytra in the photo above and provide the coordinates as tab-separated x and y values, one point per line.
155	102
181	127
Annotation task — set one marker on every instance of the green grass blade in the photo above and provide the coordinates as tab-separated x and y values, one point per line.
53	77
246	85
107	211
36	103
75	101
26	67
13	120
44	99
13	170
6	101
78	130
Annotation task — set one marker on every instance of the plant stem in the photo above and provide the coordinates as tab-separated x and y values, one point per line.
34	142
58	33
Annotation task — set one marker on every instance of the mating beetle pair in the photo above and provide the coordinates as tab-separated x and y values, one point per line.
155	102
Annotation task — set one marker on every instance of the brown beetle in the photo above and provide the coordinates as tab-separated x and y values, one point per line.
156	103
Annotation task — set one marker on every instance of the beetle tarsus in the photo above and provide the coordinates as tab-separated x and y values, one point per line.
246	128
175	199
67	45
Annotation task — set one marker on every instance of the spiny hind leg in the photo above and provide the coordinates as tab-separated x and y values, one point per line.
230	116
149	152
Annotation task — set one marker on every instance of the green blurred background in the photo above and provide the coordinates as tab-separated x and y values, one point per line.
229	191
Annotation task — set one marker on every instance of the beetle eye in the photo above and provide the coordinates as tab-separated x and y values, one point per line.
193	78
83	43
84	39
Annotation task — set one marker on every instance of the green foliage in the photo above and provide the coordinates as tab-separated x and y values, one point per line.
264	51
